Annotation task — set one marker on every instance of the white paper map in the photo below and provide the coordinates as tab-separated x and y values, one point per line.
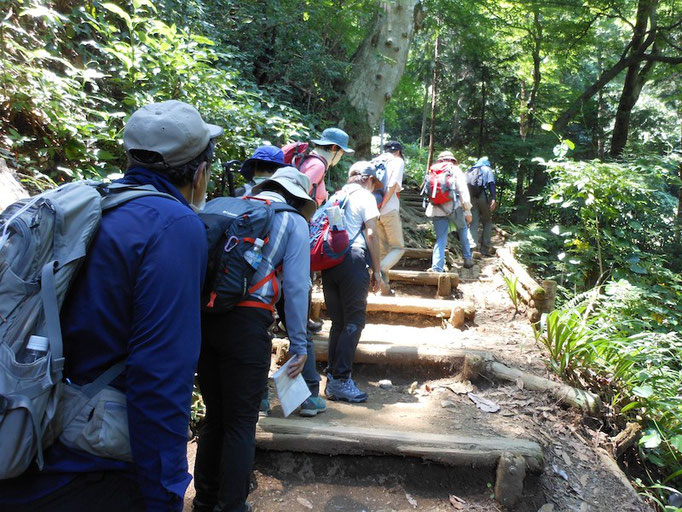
291	392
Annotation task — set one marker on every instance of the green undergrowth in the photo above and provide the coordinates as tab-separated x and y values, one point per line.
606	233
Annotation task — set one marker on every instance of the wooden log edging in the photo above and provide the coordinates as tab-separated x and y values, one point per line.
422	277
582	399
335	439
426	307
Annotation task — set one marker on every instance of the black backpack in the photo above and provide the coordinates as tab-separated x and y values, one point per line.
235	226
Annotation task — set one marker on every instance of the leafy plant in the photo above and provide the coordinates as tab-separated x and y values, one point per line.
512	291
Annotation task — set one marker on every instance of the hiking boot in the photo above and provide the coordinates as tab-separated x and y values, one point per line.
433	270
312	406
264	409
314	326
344	390
468	263
489	251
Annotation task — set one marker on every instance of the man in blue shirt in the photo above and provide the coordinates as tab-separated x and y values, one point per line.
481	181
136	299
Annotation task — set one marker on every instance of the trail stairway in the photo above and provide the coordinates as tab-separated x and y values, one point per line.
450	346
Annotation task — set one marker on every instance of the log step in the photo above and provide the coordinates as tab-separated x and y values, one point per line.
395	355
412	305
302	435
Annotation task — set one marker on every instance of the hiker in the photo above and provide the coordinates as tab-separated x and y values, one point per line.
327	153
136	299
391	242
449	203
236	347
346	285
261	166
481	183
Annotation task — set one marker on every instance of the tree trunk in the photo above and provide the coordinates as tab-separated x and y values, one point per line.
434	92
601	115
484	99
384	51
425	116
634	78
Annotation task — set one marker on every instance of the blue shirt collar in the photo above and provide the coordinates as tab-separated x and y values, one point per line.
142	176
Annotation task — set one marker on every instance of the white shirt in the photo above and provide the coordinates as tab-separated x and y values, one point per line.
361	207
395	168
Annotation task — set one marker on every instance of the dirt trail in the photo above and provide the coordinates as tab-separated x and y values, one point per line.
576	473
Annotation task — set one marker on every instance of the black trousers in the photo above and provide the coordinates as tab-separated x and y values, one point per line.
103	491
345	294
233	371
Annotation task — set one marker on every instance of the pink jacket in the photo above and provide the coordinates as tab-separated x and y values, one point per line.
315	167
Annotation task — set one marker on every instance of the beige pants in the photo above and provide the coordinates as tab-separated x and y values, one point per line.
391	242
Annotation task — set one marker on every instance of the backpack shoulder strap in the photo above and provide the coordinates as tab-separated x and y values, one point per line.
122	193
284	207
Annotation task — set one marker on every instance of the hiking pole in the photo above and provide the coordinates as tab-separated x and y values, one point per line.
229	168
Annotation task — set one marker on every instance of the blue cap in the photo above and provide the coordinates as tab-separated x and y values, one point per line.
482	162
334	136
270	154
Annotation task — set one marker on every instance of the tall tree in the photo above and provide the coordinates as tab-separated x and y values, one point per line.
378	66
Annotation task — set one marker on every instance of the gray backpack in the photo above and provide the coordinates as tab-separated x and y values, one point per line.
43	241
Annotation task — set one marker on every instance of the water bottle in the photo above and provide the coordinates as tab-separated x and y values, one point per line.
35	349
254	255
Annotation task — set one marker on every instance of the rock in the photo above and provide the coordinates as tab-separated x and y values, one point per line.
10	188
457	317
511	471
385	384
547	507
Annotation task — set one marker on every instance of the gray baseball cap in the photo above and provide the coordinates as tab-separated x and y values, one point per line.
173	129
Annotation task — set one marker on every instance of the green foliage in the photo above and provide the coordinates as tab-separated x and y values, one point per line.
64	118
637	374
512	291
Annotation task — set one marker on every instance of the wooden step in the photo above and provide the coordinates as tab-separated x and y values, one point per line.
422	277
382	352
414	306
304	435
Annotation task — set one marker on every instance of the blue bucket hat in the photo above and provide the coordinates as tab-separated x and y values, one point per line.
269	154
482	162
334	136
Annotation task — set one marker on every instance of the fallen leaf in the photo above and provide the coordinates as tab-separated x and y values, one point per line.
413	386
412	501
567	459
560	472
483	404
305	502
428	388
519	382
457	502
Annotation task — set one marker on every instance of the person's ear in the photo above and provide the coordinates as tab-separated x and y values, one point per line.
200	175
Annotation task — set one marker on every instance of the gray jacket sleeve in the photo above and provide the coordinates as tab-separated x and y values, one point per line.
295	279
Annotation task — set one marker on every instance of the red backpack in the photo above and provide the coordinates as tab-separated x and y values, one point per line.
328	247
438	187
295	153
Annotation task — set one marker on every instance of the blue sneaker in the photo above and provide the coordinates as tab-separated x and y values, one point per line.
312	406
344	390
264	409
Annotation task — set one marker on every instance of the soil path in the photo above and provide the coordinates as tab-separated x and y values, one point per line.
576	474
